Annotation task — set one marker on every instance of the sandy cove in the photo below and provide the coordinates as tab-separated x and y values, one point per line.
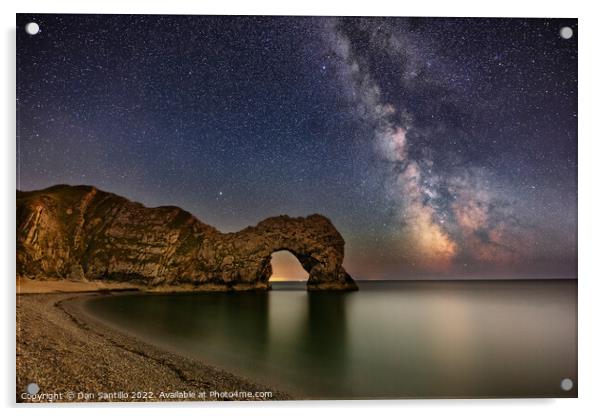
64	349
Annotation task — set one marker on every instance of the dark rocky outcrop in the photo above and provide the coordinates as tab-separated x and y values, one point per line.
82	233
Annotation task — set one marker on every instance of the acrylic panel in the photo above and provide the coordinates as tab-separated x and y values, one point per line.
295	207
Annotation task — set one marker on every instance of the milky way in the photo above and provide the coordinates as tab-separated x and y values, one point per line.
438	147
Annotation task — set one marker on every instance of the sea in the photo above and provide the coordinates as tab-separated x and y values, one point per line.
390	339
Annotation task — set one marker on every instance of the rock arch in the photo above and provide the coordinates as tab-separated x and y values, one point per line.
80	232
313	240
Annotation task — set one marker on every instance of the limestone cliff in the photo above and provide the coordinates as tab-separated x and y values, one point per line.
82	233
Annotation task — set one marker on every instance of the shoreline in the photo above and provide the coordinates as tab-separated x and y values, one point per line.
32	286
78	358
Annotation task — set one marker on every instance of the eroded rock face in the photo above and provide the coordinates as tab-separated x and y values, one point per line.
82	233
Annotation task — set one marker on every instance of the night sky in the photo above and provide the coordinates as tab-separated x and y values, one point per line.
443	148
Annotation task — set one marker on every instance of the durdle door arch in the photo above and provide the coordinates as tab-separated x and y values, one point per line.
82	233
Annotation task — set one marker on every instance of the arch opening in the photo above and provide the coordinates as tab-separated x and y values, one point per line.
286	267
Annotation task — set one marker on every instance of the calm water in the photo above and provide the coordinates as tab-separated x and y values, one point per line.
390	339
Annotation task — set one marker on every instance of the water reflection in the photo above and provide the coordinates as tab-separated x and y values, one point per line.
407	339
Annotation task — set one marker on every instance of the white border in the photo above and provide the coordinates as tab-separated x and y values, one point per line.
590	152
